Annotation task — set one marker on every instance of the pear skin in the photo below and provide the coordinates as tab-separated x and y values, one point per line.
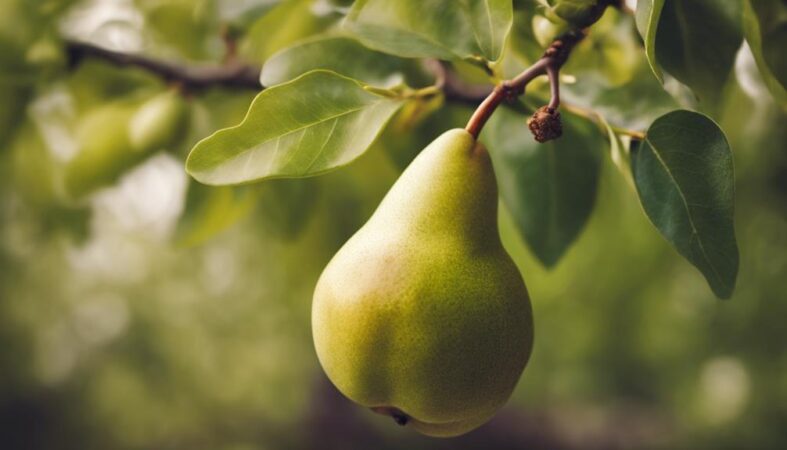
422	315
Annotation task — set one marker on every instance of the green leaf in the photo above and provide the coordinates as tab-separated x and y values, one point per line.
697	41
579	13
549	188
187	26
684	176
209	210
611	52
647	18
287	23
342	55
618	152
635	104
285	207
765	27
311	125
445	29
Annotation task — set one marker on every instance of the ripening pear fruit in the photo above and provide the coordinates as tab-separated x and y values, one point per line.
578	13
104	151
159	123
422	315
32	167
115	137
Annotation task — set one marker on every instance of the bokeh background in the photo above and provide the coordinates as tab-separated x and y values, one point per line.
160	314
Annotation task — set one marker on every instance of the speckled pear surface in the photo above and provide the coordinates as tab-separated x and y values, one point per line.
422	314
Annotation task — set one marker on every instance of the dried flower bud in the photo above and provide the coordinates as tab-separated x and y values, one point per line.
545	124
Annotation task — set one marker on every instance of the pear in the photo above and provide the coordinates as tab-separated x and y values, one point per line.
104	151
422	315
159	123
115	137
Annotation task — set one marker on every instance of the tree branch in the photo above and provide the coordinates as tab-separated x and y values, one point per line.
231	75
549	64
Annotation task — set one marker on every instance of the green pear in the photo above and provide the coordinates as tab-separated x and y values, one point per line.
104	152
422	315
159	123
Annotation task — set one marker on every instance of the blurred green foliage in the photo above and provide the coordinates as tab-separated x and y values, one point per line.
158	313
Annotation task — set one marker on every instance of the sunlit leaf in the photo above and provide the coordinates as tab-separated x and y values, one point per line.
340	54
618	152
648	13
189	27
765	26
313	124
684	176
288	22
445	29
550	188
635	104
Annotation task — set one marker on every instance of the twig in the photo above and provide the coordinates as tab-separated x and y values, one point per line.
232	75
549	64
596	117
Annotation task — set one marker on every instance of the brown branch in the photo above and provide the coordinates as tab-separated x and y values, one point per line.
231	75
234	74
549	64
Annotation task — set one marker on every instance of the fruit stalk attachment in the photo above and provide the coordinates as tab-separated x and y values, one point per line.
545	123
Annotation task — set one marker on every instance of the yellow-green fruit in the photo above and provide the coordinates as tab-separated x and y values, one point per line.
33	169
105	151
579	13
159	123
422	314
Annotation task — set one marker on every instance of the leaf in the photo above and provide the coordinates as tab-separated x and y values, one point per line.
618	152
285	207
445	29
765	27
288	22
647	18
684	176
188	26
311	125
549	188
697	41
342	55
634	105
209	210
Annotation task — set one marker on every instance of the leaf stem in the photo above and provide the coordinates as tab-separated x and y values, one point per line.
549	64
596	117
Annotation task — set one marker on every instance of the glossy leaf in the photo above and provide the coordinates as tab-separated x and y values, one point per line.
697	41
313	124
647	18
549	188
339	54
684	176
445	29
765	27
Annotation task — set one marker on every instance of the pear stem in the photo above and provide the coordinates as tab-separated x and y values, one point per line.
549	64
